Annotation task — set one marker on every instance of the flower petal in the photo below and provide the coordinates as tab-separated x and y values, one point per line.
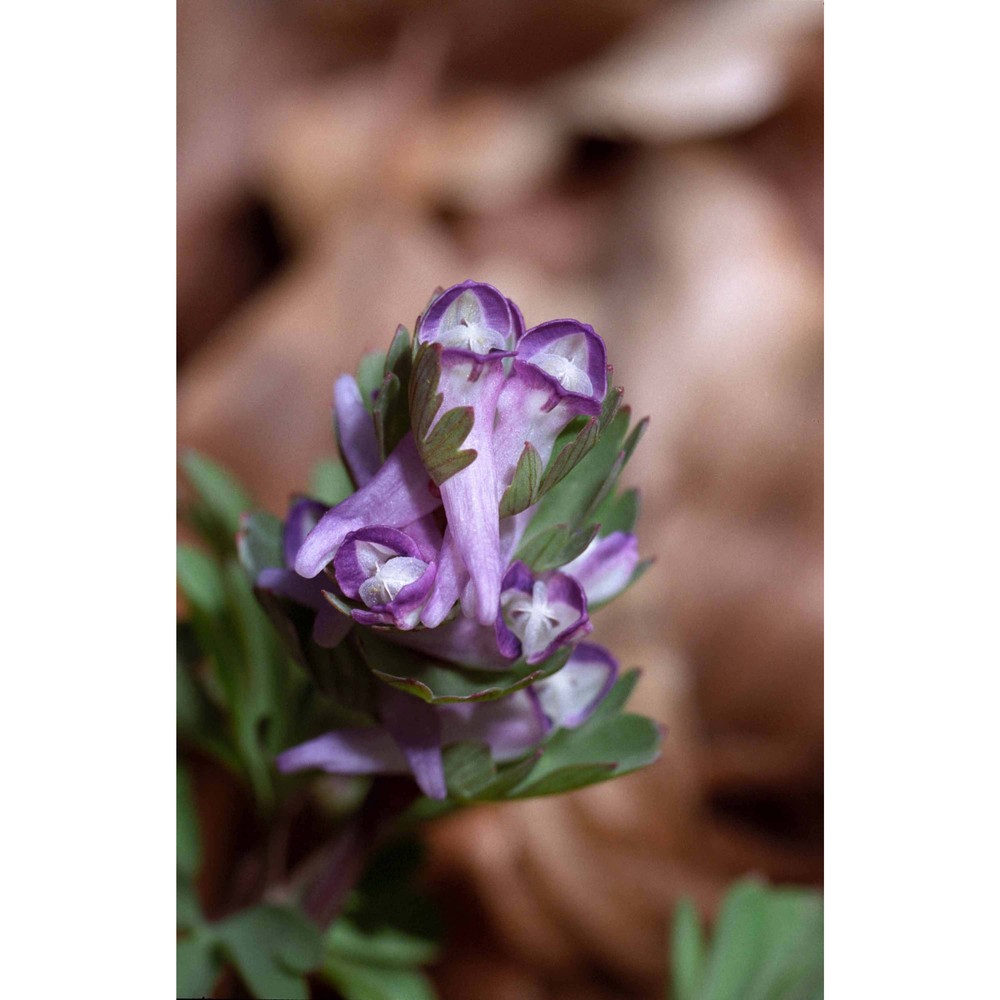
347	751
416	728
511	726
400	493
570	696
605	567
355	430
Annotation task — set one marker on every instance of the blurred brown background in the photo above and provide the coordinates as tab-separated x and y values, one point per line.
654	169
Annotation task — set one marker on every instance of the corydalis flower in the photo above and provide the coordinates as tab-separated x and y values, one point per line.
475	328
331	626
412	734
559	373
388	572
539	614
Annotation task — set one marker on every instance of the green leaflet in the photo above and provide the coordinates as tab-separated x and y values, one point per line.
218	503
371	371
439	682
439	448
526	484
768	945
330	483
555	546
607	745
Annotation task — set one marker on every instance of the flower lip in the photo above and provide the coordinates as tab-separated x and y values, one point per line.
571	695
472	319
571	357
303	516
384	569
539	614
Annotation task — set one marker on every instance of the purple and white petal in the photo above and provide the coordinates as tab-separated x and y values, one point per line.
570	696
347	751
540	614
303	516
382	567
605	566
470	495
462	641
449	584
471	317
511	726
573	355
400	493
355	431
416	728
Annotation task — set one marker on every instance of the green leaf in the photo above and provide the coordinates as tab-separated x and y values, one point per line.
439	449
601	748
381	945
188	908
440	682
330	482
768	945
399	359
222	498
259	543
687	952
198	966
569	456
360	981
524	487
188	840
568	501
617	697
200	578
392	418
467	768
555	546
618	513
371	371
272	947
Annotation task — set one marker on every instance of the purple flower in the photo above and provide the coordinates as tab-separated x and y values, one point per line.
476	328
388	572
413	734
570	696
539	614
355	431
330	626
400	493
605	566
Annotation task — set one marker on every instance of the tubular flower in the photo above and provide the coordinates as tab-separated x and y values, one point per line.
476	327
388	572
331	626
456	581
539	613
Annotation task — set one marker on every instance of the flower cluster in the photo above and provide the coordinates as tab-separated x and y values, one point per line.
445	600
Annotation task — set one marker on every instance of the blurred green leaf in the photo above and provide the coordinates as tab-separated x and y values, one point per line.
259	543
188	907
219	500
330	482
687	952
198	966
200	579
359	981
272	947
768	945
555	546
371	371
602	748
618	513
